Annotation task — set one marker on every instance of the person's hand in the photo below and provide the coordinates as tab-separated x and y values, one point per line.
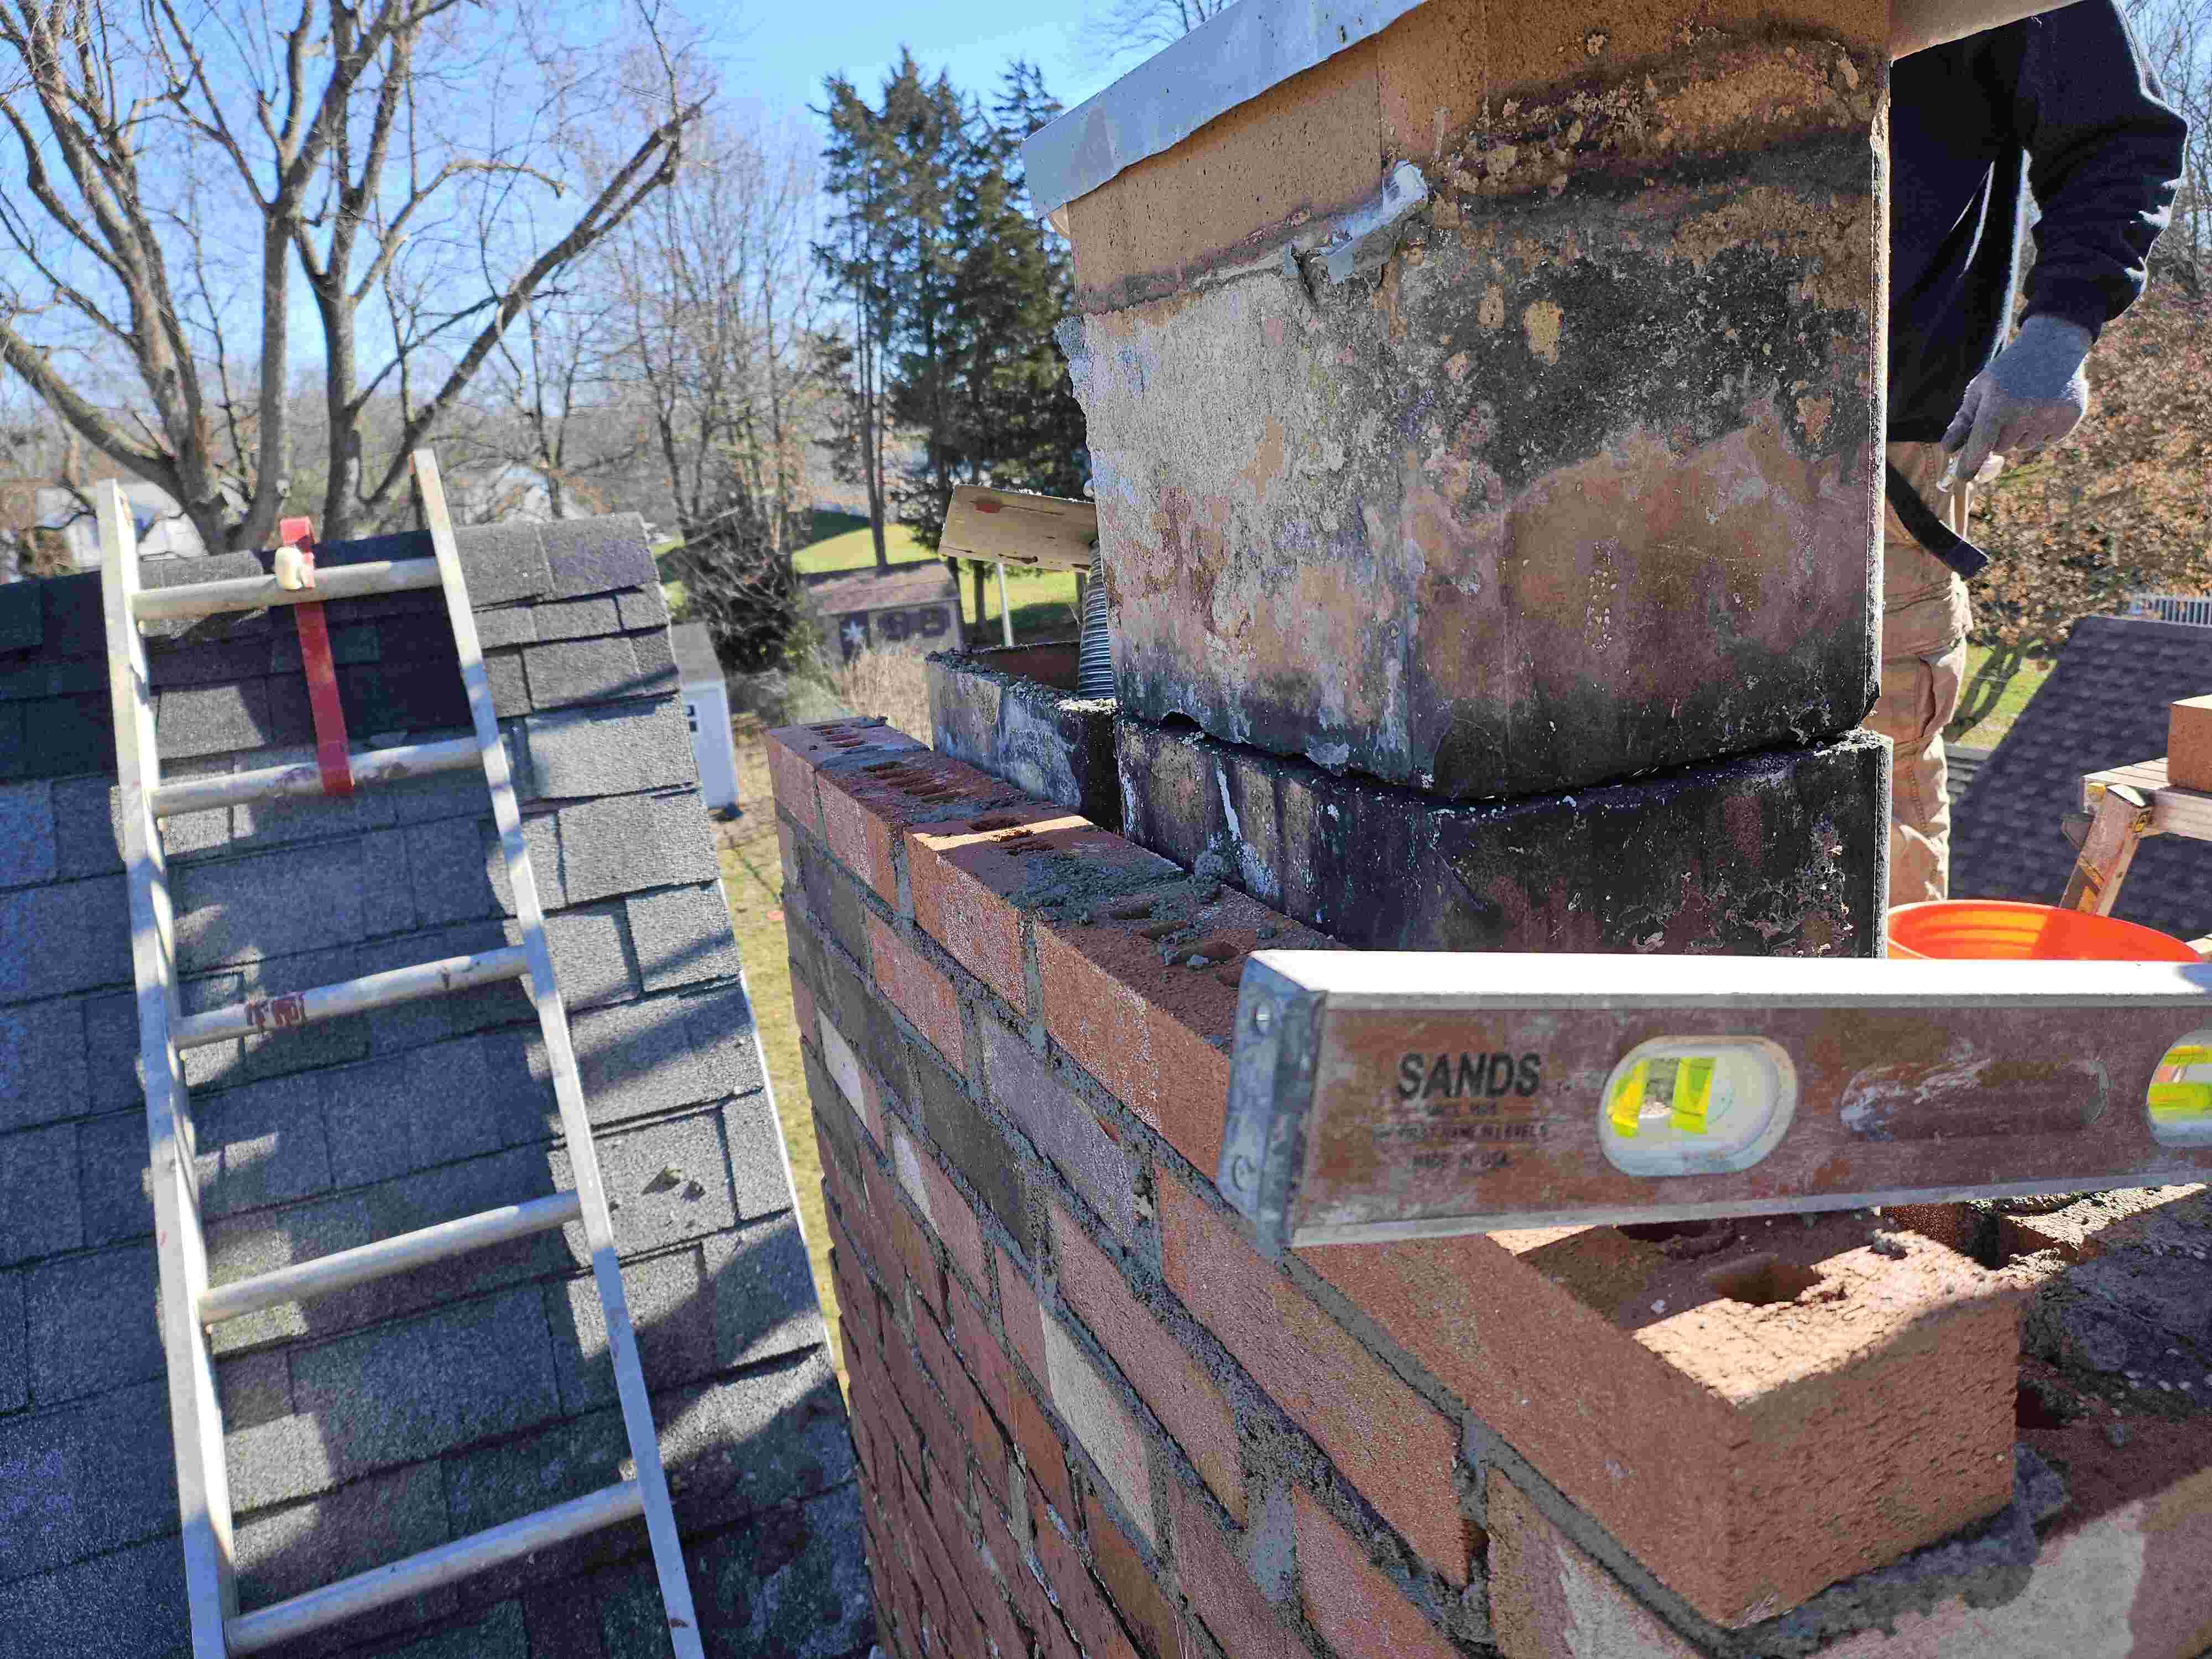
2034	394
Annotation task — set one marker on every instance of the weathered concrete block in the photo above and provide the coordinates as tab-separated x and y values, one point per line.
1780	853
1573	480
1014	713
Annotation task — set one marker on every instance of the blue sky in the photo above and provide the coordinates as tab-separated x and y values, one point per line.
778	53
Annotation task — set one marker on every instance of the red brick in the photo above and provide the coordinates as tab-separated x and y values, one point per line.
1221	1590
1140	1026
950	1217
865	809
1040	1453
791	778
1397	1449
986	1360
1748	1454
1081	1602
917	990
1130	1585
1548	1598
971	881
802	1006
1023	1322
1166	1376
1352	1602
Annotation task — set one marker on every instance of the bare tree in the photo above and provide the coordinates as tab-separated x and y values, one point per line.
181	158
1125	29
2177	34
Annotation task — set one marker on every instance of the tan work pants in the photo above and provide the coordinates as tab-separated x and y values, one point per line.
1924	619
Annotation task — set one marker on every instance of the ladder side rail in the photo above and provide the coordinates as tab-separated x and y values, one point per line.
567	1084
195	1414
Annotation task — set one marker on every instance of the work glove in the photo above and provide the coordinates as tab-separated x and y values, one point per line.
2033	395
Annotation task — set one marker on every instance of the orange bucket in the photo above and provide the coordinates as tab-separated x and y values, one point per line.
1997	930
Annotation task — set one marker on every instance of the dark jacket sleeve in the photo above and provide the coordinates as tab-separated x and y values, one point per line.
2104	159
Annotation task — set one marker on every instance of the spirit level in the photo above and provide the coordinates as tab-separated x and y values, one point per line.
1375	1095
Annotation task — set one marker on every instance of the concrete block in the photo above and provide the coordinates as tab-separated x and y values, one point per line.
129	1604
87	1478
1013	713
42	1064
26	834
683	936
1574	531
92	1324
609	752
38	1193
598	556
421	1389
1024	1085
1778	854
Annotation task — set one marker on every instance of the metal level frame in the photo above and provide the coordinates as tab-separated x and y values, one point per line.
189	1304
1379	1095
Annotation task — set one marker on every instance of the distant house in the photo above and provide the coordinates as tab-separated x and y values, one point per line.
164	531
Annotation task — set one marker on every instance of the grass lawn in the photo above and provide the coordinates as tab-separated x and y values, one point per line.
1997	716
752	880
1043	601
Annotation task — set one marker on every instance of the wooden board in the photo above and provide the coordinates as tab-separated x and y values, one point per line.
1044	531
2174	810
1388	1095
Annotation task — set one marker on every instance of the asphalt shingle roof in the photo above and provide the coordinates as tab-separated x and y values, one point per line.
2104	705
390	1417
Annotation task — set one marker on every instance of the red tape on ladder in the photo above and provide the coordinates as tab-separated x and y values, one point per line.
331	759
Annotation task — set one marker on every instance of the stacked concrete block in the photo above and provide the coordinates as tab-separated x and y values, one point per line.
1014	712
1091	1417
383	1420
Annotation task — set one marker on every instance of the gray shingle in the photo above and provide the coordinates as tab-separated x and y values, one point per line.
2104	705
277	1053
794	1582
87	1477
440	795
683	936
644	607
629	842
345	1532
264	1143
72	936
21	611
597	555
541	836
210	719
419	1389
14	753
93	1322
26	833
764	1291
275	1461
512	625
389	884
213	662
510	687
578	619
756	1441
567	1460
272	903
651	1056
670	1310
657	1207
350	646
15	1371
255	1389
590	951
273	822
502	562
89	821
581	671
39	1194
117	1202
757	1166
126	1605
42	1064
609	752
656	660
407	1024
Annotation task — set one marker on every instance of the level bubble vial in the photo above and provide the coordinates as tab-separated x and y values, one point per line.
1698	1105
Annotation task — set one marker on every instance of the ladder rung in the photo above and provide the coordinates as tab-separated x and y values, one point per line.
338	581
351	996
272	783
386	1256
264	1627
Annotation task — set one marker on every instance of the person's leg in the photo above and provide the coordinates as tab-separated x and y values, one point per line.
1924	621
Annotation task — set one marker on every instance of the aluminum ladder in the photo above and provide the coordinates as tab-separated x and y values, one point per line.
189	1304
